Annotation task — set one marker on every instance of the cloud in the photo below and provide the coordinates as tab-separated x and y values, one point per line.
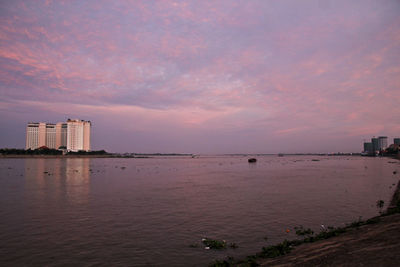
278	69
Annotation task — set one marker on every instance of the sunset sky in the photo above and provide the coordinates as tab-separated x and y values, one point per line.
204	76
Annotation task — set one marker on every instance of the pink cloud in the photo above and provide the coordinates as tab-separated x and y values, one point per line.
251	68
